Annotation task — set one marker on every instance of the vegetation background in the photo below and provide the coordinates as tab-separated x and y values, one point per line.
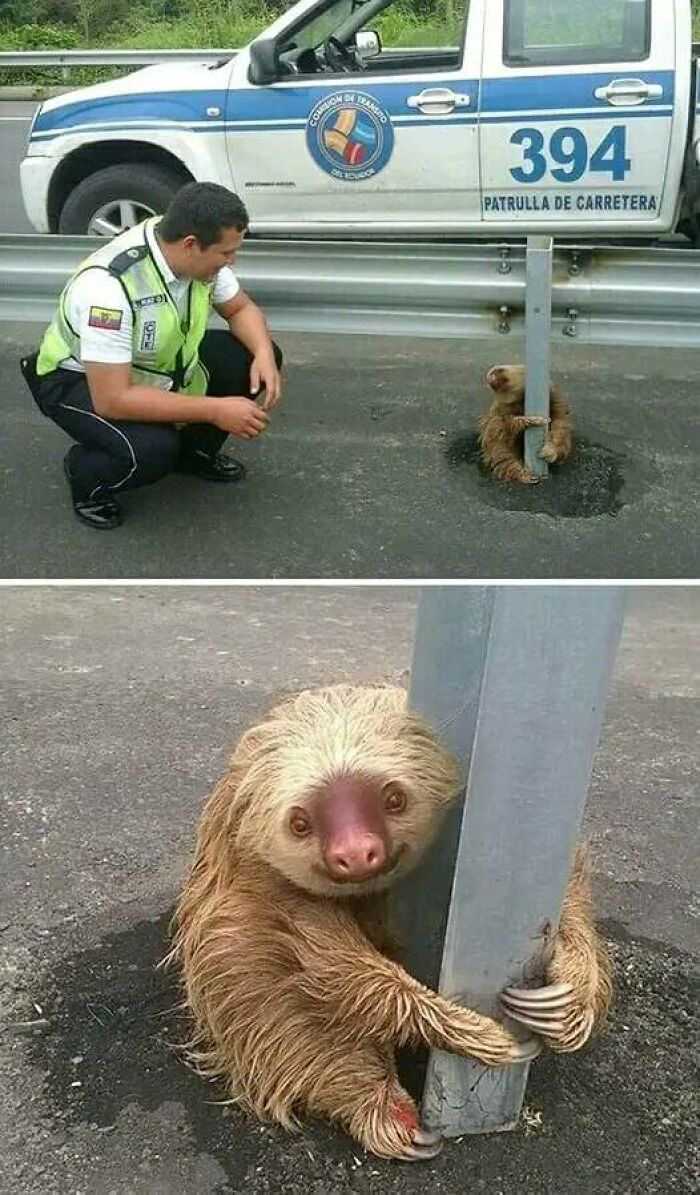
165	24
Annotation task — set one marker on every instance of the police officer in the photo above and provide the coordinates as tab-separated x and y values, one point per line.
129	370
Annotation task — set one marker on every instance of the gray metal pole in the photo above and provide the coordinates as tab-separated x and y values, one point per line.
515	679
538	331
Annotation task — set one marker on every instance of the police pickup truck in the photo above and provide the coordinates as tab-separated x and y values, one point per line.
577	118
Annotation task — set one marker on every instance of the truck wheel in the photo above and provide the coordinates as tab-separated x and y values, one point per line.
118	197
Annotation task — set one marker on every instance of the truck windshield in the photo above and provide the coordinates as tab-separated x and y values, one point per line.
557	32
320	27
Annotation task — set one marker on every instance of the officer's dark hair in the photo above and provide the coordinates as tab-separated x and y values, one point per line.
202	210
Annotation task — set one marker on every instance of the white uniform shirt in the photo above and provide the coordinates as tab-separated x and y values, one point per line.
96	288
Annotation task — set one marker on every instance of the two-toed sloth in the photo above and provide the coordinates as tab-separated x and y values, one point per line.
502	428
281	936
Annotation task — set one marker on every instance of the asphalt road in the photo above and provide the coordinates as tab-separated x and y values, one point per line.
368	470
123	704
14	129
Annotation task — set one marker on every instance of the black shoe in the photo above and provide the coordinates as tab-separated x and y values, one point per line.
102	513
212	468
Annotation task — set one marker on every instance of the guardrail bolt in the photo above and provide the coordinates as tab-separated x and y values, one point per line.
571	329
575	263
504	325
505	266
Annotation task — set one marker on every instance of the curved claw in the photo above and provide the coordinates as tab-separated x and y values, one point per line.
544	993
426	1145
541	1025
545	1010
526	1050
553	998
553	1012
426	1137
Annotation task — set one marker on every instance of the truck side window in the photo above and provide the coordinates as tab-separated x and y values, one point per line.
562	33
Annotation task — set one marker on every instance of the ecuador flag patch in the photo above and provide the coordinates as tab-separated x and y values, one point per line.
109	318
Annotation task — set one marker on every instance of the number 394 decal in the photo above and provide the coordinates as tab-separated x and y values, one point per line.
570	156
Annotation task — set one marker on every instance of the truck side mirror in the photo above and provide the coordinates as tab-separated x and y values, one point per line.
368	43
264	63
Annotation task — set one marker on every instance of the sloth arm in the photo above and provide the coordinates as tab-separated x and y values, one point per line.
370	997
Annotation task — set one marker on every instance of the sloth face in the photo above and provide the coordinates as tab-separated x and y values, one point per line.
343	789
508	381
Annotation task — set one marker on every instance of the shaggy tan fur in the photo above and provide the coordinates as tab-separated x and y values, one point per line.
502	428
297	1005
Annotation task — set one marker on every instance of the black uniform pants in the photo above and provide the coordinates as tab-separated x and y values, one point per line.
118	454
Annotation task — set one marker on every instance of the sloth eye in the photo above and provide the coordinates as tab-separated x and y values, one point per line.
300	823
394	798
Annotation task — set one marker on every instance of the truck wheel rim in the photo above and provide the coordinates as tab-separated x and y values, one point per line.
116	216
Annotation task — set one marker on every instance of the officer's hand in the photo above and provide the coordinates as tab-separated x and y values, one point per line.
264	375
240	417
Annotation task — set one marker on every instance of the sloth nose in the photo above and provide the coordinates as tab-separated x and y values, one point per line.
356	858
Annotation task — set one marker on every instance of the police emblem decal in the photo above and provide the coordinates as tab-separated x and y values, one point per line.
350	136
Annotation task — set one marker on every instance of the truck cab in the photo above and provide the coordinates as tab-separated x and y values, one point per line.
547	116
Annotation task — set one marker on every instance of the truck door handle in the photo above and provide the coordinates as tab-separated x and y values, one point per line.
628	92
436	101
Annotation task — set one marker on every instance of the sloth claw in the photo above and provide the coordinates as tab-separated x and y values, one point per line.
426	1137
552	997
547	1025
526	1051
554	1012
426	1145
545	1010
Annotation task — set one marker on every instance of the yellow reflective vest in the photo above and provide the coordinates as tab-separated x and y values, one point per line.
165	347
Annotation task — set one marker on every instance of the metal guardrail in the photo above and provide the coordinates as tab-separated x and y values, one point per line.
17	58
617	296
110	57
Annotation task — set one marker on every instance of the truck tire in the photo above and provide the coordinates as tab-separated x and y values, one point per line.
107	202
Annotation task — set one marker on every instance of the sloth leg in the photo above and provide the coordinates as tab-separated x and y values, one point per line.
506	465
497	437
359	1089
549	452
515	471
575	1001
557	445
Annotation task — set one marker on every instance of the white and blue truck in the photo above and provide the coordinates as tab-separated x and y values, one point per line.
582	120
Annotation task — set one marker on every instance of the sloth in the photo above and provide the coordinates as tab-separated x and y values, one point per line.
501	428
288	967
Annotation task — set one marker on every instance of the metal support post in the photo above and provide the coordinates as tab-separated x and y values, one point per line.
538	330
515	680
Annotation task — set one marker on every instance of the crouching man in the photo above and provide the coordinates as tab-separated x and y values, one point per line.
129	369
